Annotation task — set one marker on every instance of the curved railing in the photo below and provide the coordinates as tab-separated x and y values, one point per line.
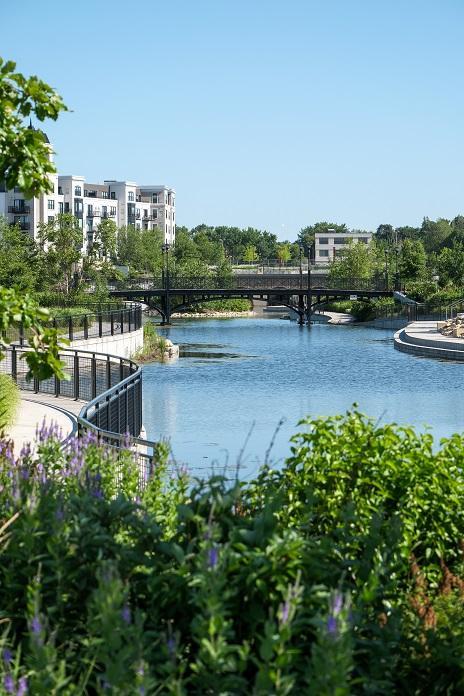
107	319
112	387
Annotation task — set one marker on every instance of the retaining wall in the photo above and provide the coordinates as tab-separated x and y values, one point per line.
123	345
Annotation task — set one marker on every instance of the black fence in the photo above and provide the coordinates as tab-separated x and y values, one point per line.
111	385
420	311
108	319
272	281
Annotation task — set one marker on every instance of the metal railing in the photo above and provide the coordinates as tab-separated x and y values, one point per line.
420	311
109	319
19	209
111	385
272	281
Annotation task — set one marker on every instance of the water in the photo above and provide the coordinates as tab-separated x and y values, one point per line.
240	375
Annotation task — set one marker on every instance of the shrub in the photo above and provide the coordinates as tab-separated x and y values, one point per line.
340	573
9	402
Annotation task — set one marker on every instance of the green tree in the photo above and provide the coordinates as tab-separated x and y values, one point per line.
25	162
250	254
104	239
283	253
354	261
413	260
450	265
435	233
18	258
24	152
60	241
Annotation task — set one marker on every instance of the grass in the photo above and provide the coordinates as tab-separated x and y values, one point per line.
9	402
154	346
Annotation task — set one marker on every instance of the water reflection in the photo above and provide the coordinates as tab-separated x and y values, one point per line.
237	372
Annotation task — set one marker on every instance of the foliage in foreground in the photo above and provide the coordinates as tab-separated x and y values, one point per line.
9	401
341	573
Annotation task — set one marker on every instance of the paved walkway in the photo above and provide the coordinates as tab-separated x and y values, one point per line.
34	409
422	338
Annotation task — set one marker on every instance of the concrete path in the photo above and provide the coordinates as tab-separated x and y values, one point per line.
332	318
32	411
422	338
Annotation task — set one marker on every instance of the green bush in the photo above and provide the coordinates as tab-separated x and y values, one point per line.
341	573
222	306
362	310
9	402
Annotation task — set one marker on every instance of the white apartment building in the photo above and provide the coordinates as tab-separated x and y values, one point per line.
144	207
327	244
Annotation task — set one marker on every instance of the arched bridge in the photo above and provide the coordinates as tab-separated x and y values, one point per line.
172	293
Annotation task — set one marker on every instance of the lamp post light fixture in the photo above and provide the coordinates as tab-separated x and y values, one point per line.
165	249
300	249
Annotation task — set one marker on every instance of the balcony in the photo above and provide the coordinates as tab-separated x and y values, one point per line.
19	209
93	213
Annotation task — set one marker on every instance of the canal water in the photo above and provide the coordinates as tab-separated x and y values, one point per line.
238	379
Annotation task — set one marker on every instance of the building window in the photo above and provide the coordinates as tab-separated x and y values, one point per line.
113	210
131	196
51	204
90	210
89	225
77	191
154	198
154	214
60	208
50	218
113	195
340	240
324	252
66	207
323	240
60	191
104	194
363	240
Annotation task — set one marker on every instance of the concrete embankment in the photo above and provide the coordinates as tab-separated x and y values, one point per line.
423	339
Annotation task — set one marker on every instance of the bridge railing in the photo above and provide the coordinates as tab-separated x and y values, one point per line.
108	319
272	281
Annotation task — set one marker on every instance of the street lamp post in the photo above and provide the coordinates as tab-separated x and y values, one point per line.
167	309
386	269
396	269
300	248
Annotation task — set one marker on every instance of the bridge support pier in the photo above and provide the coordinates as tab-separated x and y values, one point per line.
301	310
308	308
166	307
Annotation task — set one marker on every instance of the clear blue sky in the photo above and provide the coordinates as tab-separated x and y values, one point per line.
265	113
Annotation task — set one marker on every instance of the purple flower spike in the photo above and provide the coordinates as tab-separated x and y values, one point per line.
337	603
332	628
171	646
7	656
285	611
36	626
126	614
8	684
22	687
213	557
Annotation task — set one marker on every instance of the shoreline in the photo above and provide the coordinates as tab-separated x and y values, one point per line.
212	315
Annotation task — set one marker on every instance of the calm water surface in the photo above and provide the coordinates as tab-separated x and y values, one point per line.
238	375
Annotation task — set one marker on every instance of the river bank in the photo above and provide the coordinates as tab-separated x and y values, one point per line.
212	314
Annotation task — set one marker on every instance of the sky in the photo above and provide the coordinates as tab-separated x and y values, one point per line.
259	113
